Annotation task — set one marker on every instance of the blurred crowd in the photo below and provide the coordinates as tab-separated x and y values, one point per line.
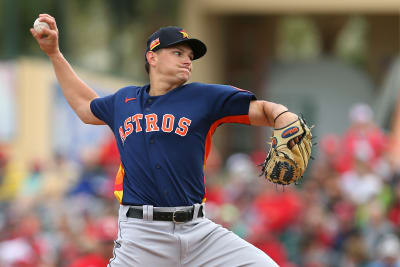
59	214
345	212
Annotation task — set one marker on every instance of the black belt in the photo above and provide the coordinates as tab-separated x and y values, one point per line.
179	216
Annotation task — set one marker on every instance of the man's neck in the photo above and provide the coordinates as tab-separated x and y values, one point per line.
161	86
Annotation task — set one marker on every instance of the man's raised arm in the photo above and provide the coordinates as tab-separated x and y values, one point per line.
77	93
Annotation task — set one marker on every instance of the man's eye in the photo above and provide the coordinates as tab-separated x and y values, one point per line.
178	53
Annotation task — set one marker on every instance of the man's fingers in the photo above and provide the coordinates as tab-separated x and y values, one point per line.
44	34
47	38
48	32
35	34
45	16
49	20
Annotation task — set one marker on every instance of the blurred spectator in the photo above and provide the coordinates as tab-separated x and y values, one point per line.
92	178
355	253
344	226
213	164
376	227
101	235
330	146
360	184
363	137
61	176
314	254
277	209
16	252
394	209
25	244
109	155
269	244
11	175
3	164
109	160
31	186
388	253
240	167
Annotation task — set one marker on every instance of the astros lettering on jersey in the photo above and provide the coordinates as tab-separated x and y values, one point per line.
151	122
164	140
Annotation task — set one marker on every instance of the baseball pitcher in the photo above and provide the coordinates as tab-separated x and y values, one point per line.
163	132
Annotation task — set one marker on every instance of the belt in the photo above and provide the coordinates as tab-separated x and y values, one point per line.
177	216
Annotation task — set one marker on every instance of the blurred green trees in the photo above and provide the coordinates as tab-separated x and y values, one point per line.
102	35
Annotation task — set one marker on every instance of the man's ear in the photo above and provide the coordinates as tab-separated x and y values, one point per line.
151	57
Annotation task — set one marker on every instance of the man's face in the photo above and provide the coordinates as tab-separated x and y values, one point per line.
174	63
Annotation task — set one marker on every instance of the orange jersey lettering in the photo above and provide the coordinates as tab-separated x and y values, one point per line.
136	118
121	134
128	127
183	126
168	123
151	123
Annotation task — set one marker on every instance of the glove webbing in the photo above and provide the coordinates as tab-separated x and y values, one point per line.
276	173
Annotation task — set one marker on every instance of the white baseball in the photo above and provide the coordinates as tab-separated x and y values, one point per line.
40	25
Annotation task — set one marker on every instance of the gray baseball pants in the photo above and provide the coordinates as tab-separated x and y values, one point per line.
199	242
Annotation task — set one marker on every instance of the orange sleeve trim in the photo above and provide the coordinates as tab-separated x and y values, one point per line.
240	89
243	119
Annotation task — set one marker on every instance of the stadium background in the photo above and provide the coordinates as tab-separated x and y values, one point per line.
337	63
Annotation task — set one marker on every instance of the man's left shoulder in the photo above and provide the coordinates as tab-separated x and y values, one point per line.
209	86
217	89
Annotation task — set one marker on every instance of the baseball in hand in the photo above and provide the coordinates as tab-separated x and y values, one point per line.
40	25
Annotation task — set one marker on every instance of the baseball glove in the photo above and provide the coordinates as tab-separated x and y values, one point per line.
285	165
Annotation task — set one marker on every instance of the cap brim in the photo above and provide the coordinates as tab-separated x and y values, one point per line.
198	47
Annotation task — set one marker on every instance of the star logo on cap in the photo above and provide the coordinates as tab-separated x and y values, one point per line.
185	35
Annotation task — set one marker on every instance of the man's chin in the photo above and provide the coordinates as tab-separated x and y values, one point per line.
183	77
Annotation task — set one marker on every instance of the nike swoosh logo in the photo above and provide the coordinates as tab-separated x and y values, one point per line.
129	99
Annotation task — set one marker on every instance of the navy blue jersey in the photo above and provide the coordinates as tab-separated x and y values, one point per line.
164	140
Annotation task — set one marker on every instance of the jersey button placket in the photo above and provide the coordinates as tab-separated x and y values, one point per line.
158	166
148	104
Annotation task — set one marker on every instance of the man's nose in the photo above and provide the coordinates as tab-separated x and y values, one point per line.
187	60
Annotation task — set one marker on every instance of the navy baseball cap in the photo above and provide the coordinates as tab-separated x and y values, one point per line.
170	36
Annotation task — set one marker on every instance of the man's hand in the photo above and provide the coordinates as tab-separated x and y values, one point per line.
289	154
48	38
283	119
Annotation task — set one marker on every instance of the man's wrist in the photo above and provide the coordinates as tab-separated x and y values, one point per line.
280	114
55	55
285	119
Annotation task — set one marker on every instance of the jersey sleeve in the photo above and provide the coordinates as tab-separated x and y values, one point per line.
103	108
230	102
